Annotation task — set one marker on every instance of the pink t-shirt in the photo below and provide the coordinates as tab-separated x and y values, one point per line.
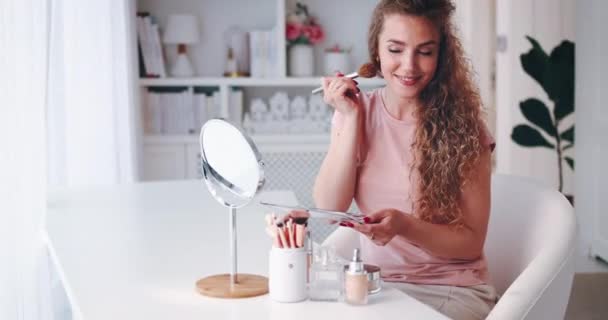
385	180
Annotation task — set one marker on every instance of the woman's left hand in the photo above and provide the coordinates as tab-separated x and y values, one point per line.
382	226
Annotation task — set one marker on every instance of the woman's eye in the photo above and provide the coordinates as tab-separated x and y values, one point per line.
391	50
426	53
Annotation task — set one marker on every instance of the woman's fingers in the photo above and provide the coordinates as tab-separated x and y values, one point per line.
364	228
376	217
331	84
374	232
342	89
334	86
347	224
325	81
340	93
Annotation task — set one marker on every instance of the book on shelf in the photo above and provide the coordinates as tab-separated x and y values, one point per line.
263	53
183	110
148	36
235	106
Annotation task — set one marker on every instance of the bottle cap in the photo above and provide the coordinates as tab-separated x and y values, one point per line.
356	265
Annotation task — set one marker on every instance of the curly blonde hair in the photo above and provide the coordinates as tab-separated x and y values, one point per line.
447	143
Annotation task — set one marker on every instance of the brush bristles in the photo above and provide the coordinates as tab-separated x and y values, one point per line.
367	70
300	220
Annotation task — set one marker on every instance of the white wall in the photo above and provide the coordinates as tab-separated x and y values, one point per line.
591	97
476	21
550	22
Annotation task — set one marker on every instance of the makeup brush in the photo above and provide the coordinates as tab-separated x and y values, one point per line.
301	220
290	236
282	238
366	70
271	229
300	227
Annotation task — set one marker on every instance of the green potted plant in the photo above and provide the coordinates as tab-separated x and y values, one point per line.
555	74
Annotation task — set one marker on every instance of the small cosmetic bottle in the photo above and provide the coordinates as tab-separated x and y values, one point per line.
325	278
355	281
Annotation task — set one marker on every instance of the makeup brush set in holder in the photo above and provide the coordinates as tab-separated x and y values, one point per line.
295	274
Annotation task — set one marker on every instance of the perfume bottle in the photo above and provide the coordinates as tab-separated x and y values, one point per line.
325	277
231	66
355	281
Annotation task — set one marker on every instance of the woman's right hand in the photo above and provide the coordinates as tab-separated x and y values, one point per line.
341	93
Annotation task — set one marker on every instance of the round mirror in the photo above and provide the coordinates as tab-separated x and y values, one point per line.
232	166
233	171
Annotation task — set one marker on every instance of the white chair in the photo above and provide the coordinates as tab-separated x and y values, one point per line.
529	248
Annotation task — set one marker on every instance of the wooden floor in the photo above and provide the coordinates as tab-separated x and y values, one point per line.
589	297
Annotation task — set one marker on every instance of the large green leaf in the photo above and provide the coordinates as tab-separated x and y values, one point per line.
558	79
562	109
570	162
536	112
568	135
526	136
535	61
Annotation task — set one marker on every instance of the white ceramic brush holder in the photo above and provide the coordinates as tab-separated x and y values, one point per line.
287	275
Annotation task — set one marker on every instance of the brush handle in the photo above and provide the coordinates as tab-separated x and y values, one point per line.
353	75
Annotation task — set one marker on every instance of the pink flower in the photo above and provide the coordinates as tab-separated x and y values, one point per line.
293	31
302	28
314	33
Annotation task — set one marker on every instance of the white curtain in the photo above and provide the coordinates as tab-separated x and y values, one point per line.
91	122
67	118
91	119
24	276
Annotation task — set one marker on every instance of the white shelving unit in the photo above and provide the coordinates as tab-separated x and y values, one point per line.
247	82
176	156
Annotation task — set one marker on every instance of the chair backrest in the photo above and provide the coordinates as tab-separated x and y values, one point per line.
529	249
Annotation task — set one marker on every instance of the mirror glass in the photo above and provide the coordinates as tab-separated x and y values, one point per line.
232	166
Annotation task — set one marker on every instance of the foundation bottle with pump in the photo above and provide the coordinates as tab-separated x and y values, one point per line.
355	281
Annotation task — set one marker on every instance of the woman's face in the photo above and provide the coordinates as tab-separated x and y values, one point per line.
408	47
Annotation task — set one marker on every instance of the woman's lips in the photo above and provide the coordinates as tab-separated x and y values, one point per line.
408	81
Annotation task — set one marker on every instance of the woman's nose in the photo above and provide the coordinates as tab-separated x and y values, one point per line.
408	61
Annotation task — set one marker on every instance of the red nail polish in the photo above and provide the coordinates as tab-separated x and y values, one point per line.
350	225
366	219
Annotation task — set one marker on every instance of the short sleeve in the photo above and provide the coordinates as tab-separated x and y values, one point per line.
486	138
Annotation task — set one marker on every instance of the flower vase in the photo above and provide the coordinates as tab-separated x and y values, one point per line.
301	60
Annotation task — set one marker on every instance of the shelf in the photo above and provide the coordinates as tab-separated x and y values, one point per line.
248	82
298	139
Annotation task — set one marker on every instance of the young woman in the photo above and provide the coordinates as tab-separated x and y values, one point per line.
415	156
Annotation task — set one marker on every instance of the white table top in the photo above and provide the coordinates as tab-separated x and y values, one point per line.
135	252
